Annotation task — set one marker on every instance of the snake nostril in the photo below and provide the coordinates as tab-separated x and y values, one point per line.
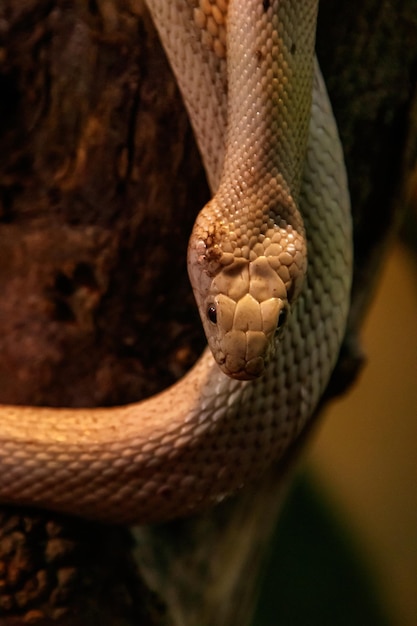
212	314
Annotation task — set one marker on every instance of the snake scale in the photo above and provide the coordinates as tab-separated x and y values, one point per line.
273	319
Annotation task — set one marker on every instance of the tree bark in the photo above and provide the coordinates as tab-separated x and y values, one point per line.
100	181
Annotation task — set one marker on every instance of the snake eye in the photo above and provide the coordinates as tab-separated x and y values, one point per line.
282	318
212	314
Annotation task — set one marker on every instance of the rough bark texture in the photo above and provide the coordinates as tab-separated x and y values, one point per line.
97	165
60	571
99	184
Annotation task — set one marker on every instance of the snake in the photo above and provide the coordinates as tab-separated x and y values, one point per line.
269	259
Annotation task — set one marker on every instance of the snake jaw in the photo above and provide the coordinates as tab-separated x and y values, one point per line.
243	337
246	340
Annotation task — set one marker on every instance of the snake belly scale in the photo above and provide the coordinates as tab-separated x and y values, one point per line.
247	72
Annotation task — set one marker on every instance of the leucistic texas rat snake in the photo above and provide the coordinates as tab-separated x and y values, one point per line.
273	324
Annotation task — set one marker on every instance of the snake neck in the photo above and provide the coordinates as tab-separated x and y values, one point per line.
247	255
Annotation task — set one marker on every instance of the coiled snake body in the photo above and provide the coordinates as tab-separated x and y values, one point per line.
274	322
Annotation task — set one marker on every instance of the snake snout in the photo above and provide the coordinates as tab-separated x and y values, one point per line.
245	354
251	370
246	335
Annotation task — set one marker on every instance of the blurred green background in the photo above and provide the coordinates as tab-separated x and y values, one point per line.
345	552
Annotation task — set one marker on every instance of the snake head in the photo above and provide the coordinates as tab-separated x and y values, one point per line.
243	303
